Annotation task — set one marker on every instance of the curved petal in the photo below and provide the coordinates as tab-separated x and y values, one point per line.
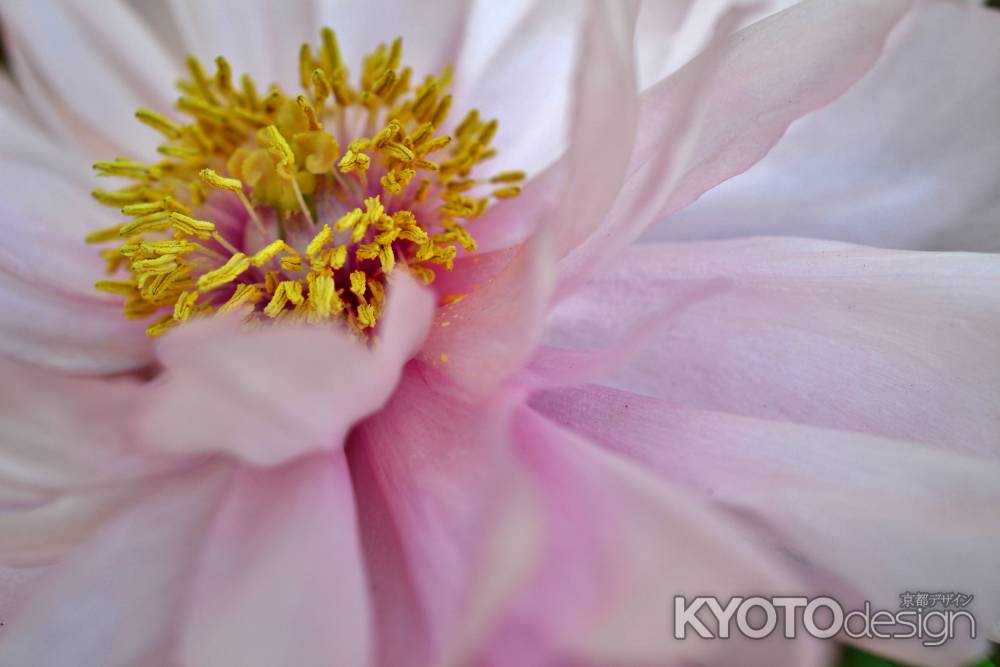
724	111
517	65
269	395
868	168
427	474
116	599
672	33
618	547
107	65
478	339
893	343
283	546
64	434
865	518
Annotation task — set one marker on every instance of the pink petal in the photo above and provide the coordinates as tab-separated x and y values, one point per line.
64	434
672	33
605	71
427	472
618	546
269	395
115	600
107	65
722	112
865	518
868	169
892	343
280	580
517	64
478	340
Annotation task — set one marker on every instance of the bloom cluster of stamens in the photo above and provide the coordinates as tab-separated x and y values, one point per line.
257	207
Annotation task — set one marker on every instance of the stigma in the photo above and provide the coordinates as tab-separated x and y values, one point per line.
297	207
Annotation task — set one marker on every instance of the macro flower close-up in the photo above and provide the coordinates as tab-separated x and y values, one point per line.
547	332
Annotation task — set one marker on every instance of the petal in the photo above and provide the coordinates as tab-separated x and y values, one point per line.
893	343
107	65
283	546
867	169
257	37
722	112
850	511
427	472
272	394
50	314
479	339
517	65
672	33
618	546
64	434
116	599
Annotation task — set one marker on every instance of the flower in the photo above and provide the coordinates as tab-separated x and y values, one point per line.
525	461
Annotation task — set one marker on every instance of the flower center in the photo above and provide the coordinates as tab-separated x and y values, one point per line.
255	207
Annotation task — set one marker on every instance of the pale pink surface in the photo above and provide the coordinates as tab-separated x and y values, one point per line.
615	424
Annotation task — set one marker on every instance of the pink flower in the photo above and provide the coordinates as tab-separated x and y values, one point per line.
524	462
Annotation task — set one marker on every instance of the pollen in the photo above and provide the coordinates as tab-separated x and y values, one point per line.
298	206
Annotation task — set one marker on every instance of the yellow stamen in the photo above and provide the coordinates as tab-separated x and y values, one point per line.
400	194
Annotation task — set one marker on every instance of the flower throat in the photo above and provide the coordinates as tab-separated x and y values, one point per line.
297	208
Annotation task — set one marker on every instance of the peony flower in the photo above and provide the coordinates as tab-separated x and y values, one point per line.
348	396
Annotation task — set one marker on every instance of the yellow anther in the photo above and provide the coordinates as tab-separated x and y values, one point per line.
338	258
199	78
312	120
384	83
441	112
508	177
121	197
508	192
161	326
321	239
331	50
160	123
123	168
202	229
323	297
287	291
244	295
185	306
123	287
223	75
201	109
349	220
488	132
431	145
270	251
359	281
400	152
306	65
366	315
153	222
225	274
291	263
211	177
320	85
103	235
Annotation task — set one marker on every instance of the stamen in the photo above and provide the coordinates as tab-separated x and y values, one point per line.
399	196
